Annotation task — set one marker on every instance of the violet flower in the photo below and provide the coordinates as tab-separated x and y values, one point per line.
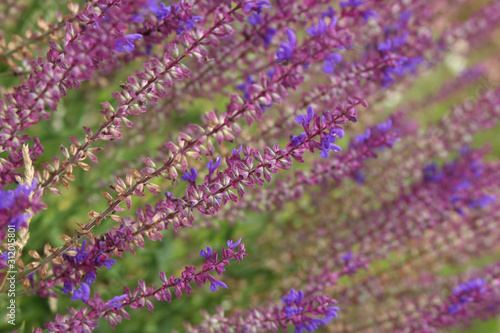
285	51
126	43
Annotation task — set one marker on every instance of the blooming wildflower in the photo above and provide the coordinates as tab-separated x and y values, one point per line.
351	3
367	14
330	12
327	145
116	301
237	151
254	19
245	87
317	30
82	293
286	49
330	61
125	43
268	36
293	296
108	263
190	176
291	311
68	287
298	139
216	284
432	173
188	24
384	127
232	245
211	166
90	278
81	253
385	46
347	257
208	253
305	119
161	11
18	221
482	201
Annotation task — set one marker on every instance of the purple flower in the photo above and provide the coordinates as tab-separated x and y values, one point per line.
190	176
330	12
432	173
18	221
208	253
285	51
317	30
116	301
305	119
90	278
351	3
82	293
81	253
330	61
298	139
161	11
327	145
293	296
68	287
384	127
125	43
108	263
254	19
268	36
211	166
237	151
367	14
216	284
385	46
232	245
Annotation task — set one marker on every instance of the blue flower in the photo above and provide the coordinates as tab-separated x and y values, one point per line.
254	19
90	278
216	284
82	293
293	296
330	61
432	173
116	301
108	263
125	43
237	151
327	145
298	139
305	119
232	245
206	254
317	30
384	127
161	11
68	287
286	49
268	36
81	253
482	201
190	176
385	46
211	166
351	3
18	221
367	14
330	12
